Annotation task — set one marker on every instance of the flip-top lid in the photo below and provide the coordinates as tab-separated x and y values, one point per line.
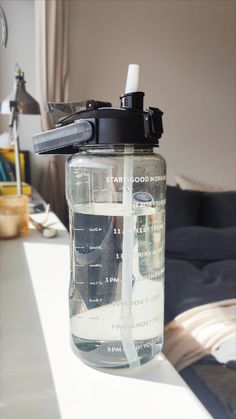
97	124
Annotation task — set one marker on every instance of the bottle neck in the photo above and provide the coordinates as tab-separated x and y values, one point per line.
116	149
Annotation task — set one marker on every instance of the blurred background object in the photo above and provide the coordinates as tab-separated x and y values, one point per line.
4	28
18	102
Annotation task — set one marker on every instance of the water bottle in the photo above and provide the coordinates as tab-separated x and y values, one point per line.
115	189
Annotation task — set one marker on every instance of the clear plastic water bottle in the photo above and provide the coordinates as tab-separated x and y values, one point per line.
115	188
117	223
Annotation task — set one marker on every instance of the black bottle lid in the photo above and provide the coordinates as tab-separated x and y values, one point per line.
98	123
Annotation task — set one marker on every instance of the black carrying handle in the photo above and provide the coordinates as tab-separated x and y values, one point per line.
65	113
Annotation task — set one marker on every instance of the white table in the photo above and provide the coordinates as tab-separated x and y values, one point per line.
40	375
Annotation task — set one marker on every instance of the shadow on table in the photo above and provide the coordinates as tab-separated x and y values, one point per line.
27	388
158	370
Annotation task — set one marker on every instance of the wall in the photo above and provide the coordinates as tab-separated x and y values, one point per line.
187	53
21	49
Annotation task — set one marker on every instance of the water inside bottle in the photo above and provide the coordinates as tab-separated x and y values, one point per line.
96	281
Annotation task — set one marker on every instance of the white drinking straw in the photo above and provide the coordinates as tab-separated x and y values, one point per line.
132	80
128	241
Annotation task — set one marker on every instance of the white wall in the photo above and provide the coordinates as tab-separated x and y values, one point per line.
187	53
20	49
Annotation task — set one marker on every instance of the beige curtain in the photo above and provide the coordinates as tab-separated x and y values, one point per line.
52	72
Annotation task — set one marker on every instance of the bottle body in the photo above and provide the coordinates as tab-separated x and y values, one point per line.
116	198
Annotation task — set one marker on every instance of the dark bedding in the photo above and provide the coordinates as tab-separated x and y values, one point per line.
201	244
200	269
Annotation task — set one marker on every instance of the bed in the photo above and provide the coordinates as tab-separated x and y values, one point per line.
200	294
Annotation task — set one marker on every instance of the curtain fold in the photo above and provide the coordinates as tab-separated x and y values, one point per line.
52	72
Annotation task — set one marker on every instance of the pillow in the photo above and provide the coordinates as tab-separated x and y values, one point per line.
218	209
194	185
201	243
182	207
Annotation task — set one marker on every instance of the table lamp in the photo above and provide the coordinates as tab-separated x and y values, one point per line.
18	102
